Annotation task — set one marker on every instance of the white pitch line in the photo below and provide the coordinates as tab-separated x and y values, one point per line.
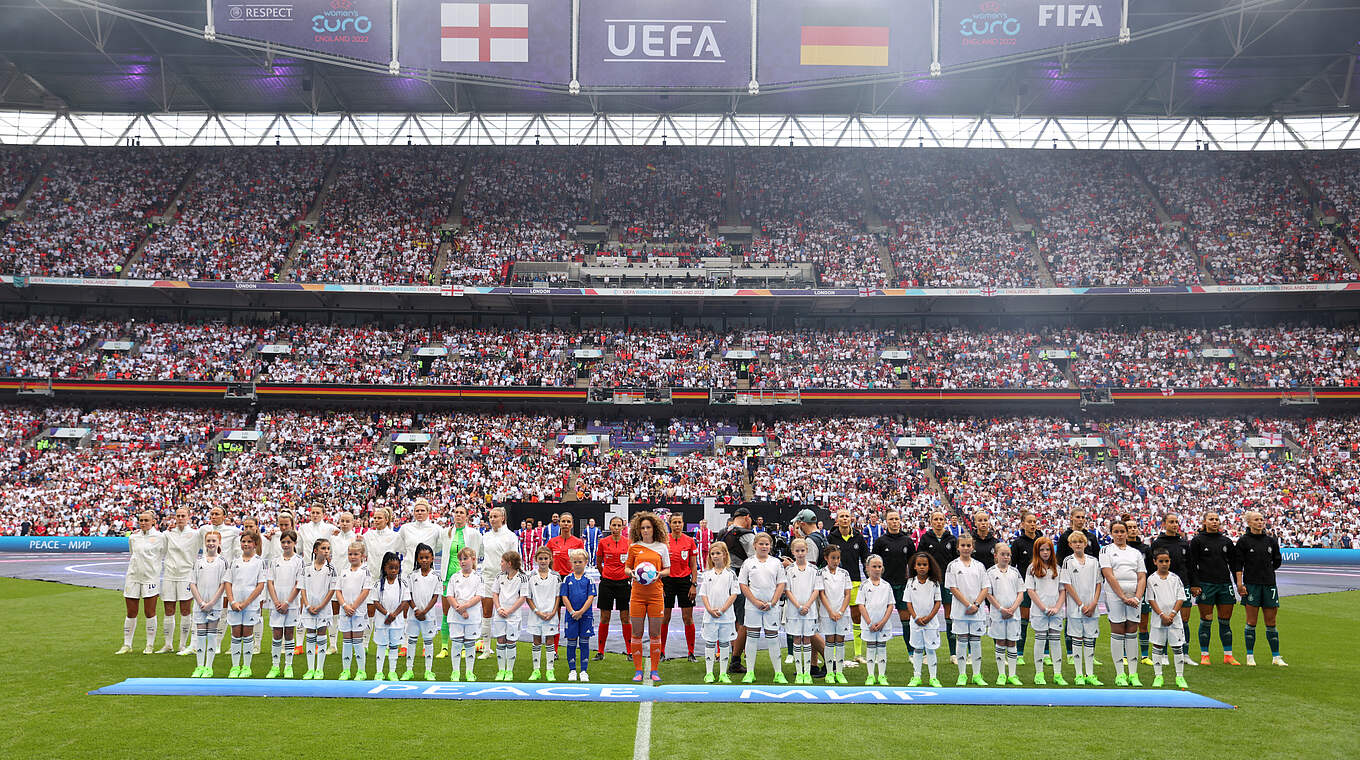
642	740
76	569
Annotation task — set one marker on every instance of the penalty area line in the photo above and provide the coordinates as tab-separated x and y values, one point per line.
642	739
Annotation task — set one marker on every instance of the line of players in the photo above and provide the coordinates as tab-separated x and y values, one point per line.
1119	572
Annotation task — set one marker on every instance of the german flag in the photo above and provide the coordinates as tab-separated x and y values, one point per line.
844	36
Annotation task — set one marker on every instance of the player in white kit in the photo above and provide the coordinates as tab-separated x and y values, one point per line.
1007	592
802	590
966	580
463	604
1047	597
925	611
1081	579
762	581
181	551
508	593
207	585
544	599
285	606
391	602
245	586
877	606
142	583
353	587
427	596
1125	572
318	587
1166	595
718	591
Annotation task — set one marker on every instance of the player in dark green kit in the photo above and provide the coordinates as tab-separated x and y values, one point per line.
1022	554
1178	549
943	547
1260	555
896	548
1214	559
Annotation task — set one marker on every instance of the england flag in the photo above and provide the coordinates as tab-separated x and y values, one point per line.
484	32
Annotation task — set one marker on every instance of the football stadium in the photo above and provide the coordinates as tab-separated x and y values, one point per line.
680	379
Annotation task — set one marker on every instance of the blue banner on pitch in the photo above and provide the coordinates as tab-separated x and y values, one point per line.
603	692
63	544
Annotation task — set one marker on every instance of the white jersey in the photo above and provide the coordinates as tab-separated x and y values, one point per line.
245	575
1047	588
340	548
230	547
835	584
1084	580
544	592
922	598
316	583
286	574
147	552
351	583
208	576
390	595
970	579
1006	588
876	599
309	532
495	543
1165	592
181	551
762	577
1125	564
803	585
423	588
379	543
413	534
508	589
716	587
463	587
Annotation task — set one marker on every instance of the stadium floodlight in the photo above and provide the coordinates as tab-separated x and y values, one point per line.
753	87
210	33
574	88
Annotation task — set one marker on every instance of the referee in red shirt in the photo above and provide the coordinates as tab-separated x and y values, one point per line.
679	587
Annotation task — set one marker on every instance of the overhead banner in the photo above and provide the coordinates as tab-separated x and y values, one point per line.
973	30
826	39
527	39
665	43
353	28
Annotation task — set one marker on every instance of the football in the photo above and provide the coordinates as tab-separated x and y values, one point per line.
646	573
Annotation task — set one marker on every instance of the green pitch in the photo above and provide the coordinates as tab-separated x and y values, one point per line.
58	644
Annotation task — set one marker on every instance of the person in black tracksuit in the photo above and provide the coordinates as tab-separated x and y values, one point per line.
1260	555
1214	561
1178	548
1022	554
941	544
896	548
1064	550
854	552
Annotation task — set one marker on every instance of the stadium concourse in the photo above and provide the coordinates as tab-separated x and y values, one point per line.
854	218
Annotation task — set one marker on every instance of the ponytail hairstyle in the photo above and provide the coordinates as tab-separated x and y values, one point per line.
317	545
513	558
1040	568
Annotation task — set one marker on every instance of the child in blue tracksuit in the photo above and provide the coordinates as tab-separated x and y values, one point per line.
578	614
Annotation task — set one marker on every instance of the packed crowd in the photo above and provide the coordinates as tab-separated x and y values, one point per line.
1336	176
91	210
1282	356
378	221
17	169
1097	226
238	218
656	195
1251	222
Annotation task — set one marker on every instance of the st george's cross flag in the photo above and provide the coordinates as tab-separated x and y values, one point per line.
484	32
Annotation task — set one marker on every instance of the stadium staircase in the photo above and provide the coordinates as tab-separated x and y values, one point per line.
313	215
1136	172
937	486
169	215
34	183
1023	225
1315	198
873	223
731	203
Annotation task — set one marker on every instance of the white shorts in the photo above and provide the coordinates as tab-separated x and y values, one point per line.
1042	622
424	629
315	622
203	617
176	591
474	617
355	623
720	631
1083	627
883	634
133	590
287	619
762	619
927	638
1119	612
249	616
458	630
799	625
1005	629
842	627
1172	635
389	635
507	627
969	627
539	627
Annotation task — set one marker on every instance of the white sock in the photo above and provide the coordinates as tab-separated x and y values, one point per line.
486	636
752	646
129	630
429	654
200	650
537	651
1117	652
931	661
511	654
276	648
916	656
258	636
309	640
235	651
549	654
210	644
1158	655
1001	652
1131	651
380	658
469	653
1012	659
1089	650
185	629
288	647
362	653
724	656
169	630
246	652
1180	661
321	639
1055	646
151	632
710	656
346	654
775	653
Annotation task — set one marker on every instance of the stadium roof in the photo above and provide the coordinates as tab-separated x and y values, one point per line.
1255	58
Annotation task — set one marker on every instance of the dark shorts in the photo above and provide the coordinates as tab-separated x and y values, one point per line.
739	607
1262	596
1025	601
614	595
1146	610
677	592
579	629
1216	593
898	591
